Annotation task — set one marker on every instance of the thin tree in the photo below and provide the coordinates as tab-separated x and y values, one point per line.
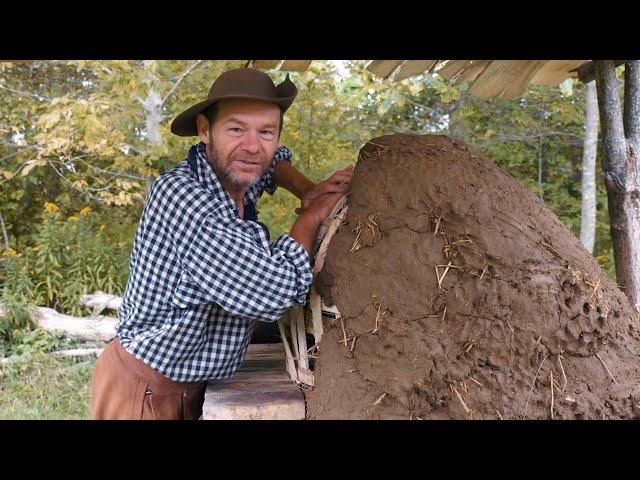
589	154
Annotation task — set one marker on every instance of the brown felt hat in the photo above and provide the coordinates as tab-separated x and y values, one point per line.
237	83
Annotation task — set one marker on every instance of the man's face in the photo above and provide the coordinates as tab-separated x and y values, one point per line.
242	140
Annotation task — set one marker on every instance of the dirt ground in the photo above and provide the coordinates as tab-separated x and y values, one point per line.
463	296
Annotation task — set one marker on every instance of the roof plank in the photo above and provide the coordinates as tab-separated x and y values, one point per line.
504	79
295	65
383	68
266	64
452	68
411	68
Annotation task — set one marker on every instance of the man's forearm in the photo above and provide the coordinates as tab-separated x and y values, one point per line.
304	231
288	177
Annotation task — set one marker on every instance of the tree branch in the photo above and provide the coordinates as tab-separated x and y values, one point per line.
4	232
115	174
27	94
18	152
429	109
182	77
632	104
61	175
503	137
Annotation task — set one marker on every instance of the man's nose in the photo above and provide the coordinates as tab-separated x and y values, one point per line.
251	143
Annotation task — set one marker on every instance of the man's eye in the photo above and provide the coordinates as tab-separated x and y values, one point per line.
267	132
236	130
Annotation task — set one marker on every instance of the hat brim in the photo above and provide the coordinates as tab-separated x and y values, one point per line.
184	125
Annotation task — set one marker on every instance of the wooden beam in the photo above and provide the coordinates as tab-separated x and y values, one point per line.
259	390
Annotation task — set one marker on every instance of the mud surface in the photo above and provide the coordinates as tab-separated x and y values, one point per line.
523	322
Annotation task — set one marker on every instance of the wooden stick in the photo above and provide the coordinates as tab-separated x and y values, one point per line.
377	324
377	402
315	303
484	270
302	338
353	343
564	376
499	416
344	333
476	381
467	410
608	371
551	382
532	384
291	368
441	278
293	328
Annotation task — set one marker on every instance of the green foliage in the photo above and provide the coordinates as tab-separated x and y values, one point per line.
43	387
68	258
23	343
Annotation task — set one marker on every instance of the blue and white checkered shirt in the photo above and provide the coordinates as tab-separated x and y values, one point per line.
200	275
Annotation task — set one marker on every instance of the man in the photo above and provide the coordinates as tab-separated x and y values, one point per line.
202	269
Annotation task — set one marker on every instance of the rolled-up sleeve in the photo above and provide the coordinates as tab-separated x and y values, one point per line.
266	181
241	273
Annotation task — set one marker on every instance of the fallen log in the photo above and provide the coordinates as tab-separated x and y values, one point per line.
100	301
81	328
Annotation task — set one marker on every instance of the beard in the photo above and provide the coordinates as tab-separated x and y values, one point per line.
225	173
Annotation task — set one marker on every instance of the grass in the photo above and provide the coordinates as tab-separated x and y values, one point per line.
42	387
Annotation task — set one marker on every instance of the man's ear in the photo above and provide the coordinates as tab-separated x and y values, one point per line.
203	128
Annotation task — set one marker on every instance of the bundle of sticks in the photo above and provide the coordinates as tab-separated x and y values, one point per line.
299	321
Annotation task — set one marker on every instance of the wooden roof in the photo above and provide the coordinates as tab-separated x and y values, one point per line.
487	79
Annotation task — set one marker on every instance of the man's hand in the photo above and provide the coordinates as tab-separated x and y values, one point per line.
321	206
338	183
305	228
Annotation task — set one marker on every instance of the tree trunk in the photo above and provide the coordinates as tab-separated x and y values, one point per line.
153	117
620	170
589	154
456	129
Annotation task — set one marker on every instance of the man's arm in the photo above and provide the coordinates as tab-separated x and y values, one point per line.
288	177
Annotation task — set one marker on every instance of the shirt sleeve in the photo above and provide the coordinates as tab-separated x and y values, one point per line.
235	268
266	181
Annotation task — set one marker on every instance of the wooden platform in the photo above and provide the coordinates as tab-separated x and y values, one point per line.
260	390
